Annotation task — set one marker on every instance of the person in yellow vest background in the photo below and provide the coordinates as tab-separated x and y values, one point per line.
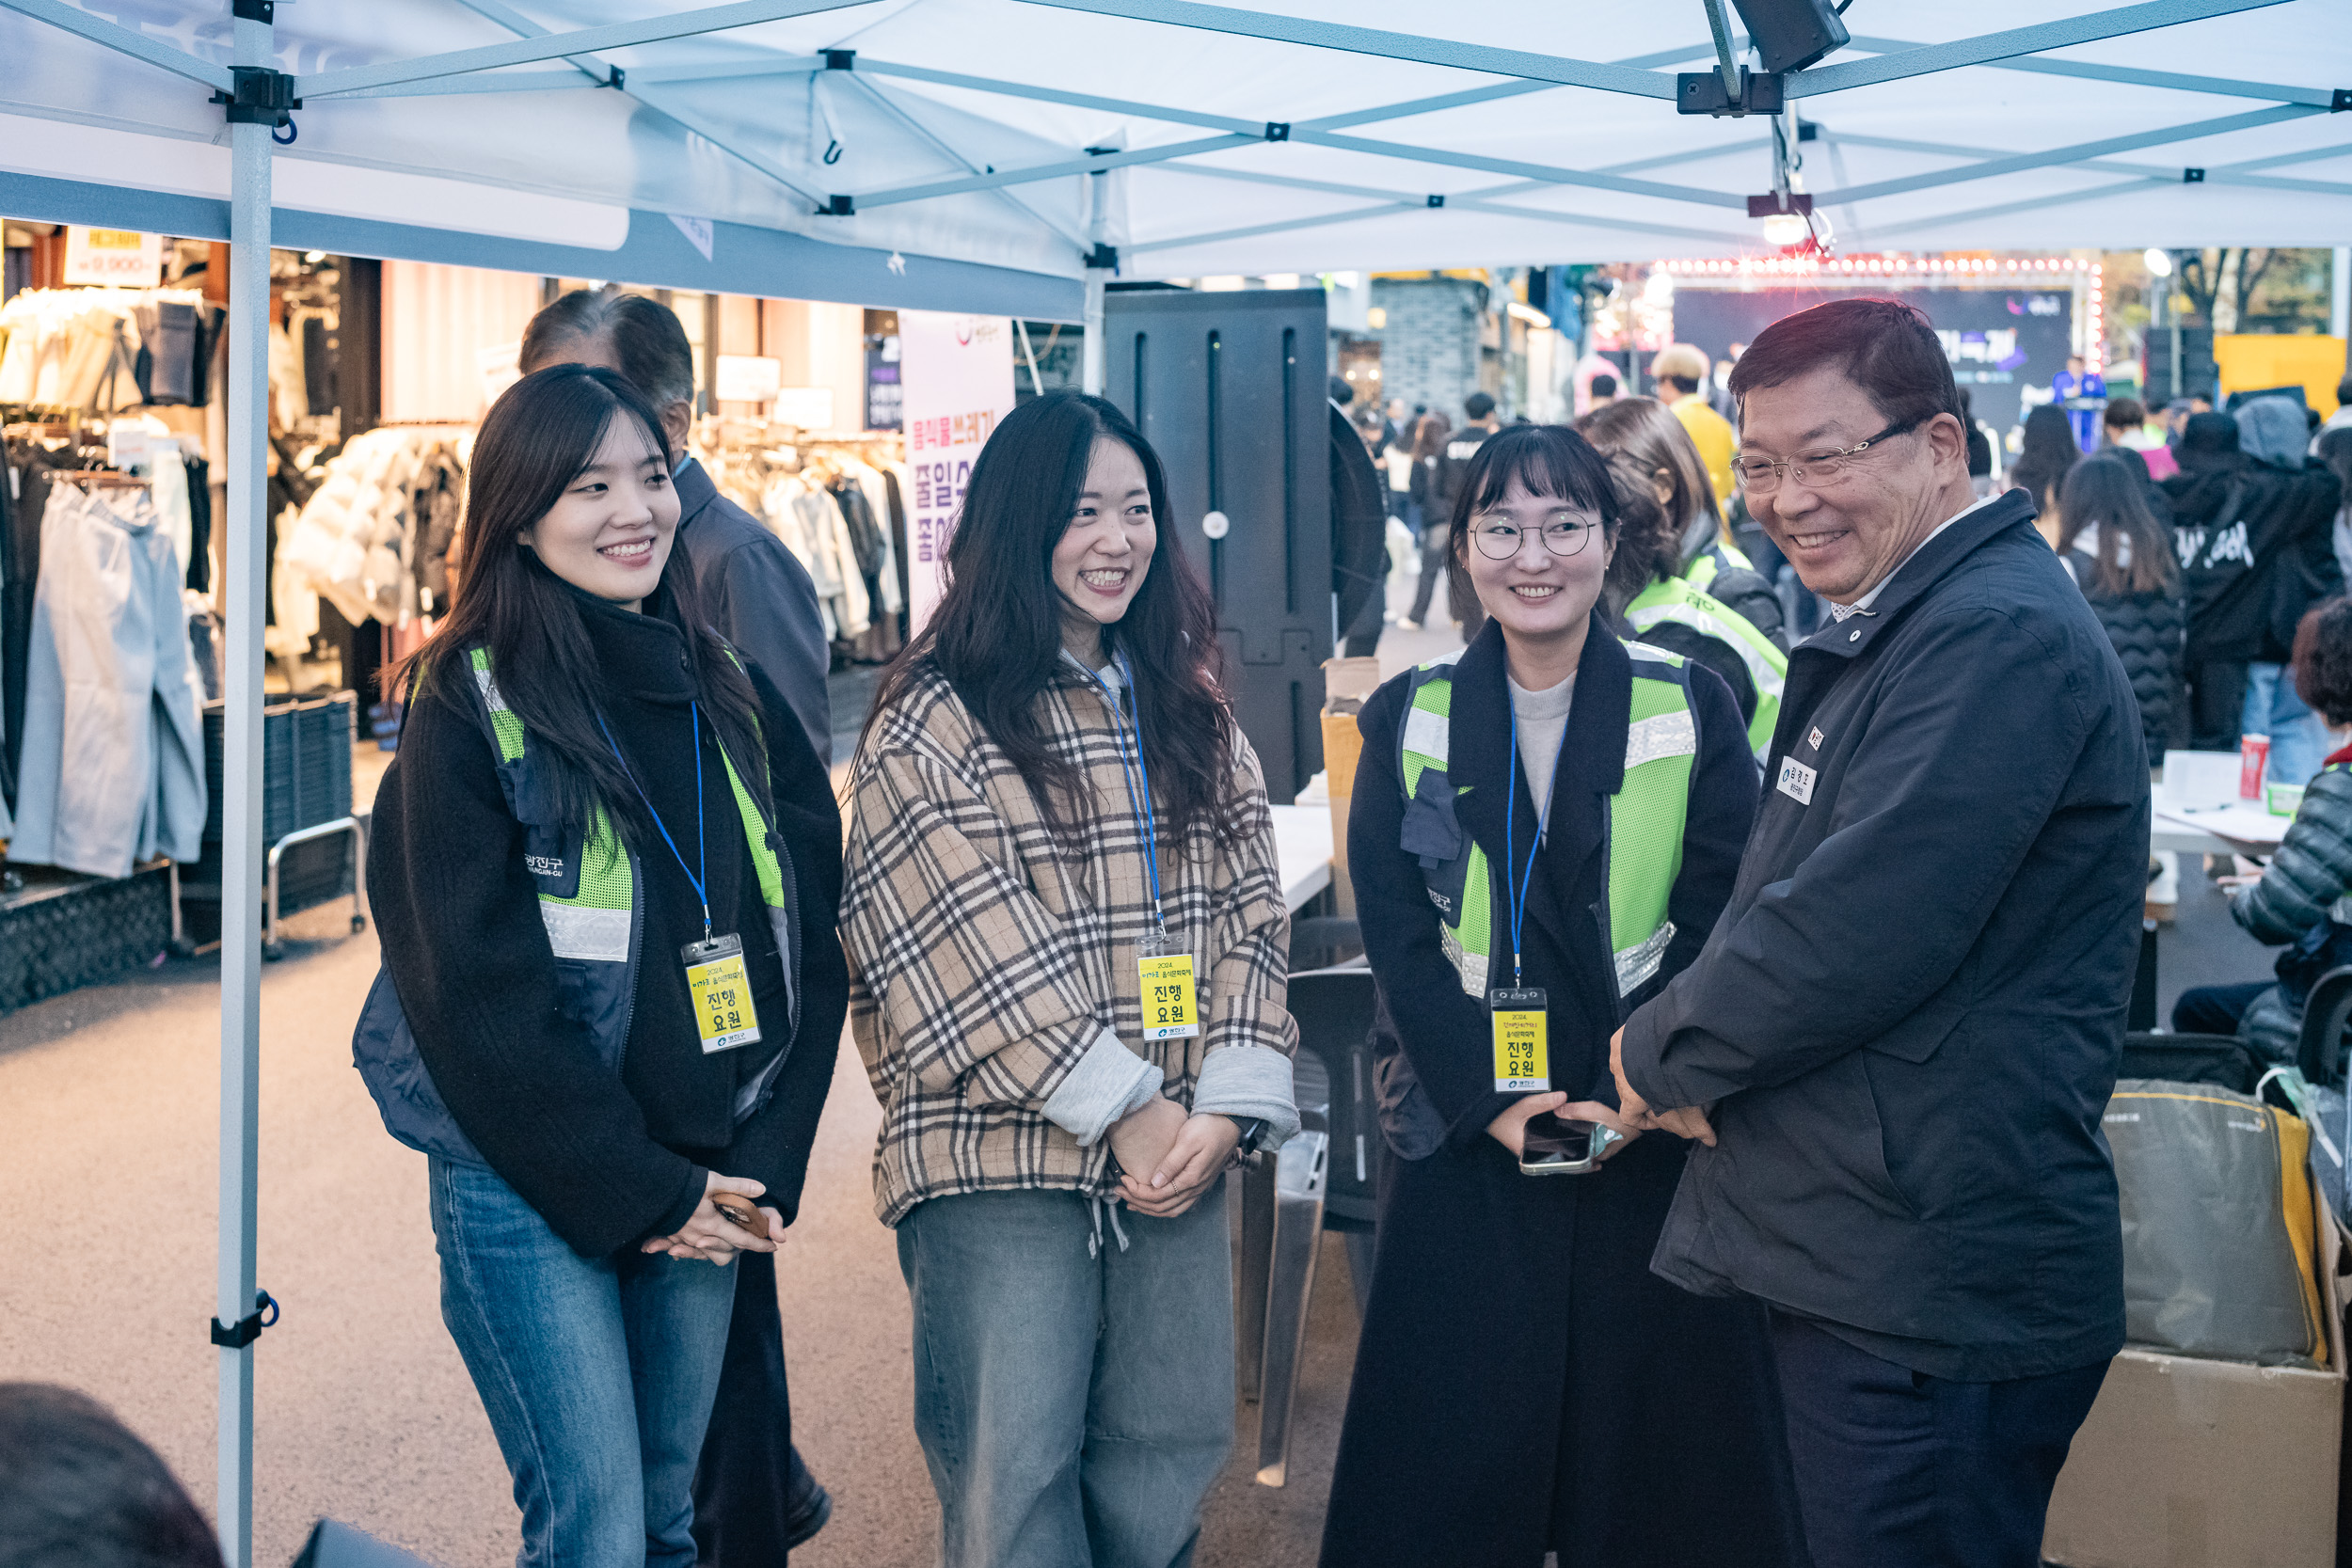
1680	371
1543	830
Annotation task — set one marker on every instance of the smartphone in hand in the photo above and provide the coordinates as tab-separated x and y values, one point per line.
1560	1146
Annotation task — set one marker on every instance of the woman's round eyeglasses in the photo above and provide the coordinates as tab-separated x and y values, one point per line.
1565	533
1761	476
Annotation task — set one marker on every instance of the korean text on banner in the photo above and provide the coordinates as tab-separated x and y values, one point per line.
958	383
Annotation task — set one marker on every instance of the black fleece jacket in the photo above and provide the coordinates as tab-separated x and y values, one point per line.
606	1158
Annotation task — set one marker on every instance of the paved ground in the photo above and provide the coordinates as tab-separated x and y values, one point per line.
108	1180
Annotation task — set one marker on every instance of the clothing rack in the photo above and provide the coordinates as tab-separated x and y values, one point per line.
103	479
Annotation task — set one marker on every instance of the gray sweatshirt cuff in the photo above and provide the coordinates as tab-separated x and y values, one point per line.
1109	1082
1249	1081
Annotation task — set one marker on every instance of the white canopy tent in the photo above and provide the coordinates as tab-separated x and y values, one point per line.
993	155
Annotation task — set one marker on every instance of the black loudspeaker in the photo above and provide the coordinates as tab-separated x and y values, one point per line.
1229	390
1792	34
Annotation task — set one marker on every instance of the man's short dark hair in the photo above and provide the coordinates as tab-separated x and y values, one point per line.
2344	390
2124	414
648	342
1478	405
78	1486
1604	385
1883	346
1341	393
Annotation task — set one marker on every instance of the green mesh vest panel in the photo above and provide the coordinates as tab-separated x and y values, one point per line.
1679	600
594	924
1646	822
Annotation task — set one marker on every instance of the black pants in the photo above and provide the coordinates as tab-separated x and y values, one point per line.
1895	1466
2216	1009
743	1489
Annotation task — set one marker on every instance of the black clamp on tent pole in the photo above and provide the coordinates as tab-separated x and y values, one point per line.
2340	100
840	59
1102	258
247	1328
254	11
259	96
839	207
1278	130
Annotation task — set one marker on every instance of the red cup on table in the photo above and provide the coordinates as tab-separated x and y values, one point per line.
2253	761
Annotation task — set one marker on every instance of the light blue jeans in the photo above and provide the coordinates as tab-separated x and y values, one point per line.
599	1374
1073	1408
2299	740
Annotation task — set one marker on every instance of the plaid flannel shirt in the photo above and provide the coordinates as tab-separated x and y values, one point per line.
986	962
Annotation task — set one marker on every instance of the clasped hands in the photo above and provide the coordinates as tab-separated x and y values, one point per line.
1686	1122
708	1236
1169	1157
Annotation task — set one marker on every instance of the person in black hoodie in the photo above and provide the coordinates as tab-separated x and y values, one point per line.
605	867
2254	539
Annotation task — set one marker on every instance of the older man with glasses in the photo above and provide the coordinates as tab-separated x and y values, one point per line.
1900	1036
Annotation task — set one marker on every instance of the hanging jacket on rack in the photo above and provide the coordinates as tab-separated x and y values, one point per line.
112	771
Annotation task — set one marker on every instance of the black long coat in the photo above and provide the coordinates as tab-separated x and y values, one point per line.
1523	1381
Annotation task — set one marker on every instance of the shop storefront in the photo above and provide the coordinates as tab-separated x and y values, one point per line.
112	386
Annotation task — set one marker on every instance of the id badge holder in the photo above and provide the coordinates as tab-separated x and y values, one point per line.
1165	986
1522	1041
722	991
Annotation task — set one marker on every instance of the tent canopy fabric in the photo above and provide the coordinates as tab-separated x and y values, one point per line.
1307	137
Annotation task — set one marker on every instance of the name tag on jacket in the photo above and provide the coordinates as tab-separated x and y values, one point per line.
1796	781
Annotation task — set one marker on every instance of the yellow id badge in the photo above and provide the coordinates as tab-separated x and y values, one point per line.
716	979
1522	1044
1170	1012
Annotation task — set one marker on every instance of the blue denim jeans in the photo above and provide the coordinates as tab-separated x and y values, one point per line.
597	1373
1073	1408
2298	742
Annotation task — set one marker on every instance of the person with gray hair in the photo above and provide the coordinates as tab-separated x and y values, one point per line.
754	1496
758	591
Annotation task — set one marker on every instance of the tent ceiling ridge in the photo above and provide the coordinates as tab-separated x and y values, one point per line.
124	40
2132	75
617	35
1992	47
2080	152
1367	40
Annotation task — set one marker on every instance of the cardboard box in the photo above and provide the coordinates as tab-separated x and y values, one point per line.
2185	1460
1346	682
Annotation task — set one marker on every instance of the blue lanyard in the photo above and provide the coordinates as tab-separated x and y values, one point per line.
1142	806
702	844
1518	895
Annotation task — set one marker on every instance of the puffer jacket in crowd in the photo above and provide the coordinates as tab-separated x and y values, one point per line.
2148	631
2302	899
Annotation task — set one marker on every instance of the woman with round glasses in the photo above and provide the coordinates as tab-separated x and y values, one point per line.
1545	828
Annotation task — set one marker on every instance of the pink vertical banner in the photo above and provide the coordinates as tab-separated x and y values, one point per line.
957	373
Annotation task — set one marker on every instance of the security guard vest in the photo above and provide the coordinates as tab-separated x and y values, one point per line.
1644	821
590	901
1678	600
1721	556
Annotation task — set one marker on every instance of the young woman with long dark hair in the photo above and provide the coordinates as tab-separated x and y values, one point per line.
2119	554
605	863
1068	943
1545	828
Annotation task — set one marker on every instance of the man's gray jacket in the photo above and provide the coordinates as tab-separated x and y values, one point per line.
1908	1018
760	597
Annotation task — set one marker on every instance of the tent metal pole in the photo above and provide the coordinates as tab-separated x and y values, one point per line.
2340	293
240	811
2226	87
164	56
1098	227
2088	29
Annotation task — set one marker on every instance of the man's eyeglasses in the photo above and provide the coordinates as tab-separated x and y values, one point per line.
1762	475
1566	533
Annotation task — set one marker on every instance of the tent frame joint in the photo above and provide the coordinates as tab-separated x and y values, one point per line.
837	206
264	12
1102	258
248	1328
2340	100
1278	130
259	96
840	59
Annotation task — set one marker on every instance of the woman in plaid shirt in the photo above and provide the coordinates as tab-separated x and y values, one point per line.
1052	803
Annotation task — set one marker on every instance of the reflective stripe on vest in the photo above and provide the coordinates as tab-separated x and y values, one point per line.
1676	599
1722	555
593	926
1645	821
